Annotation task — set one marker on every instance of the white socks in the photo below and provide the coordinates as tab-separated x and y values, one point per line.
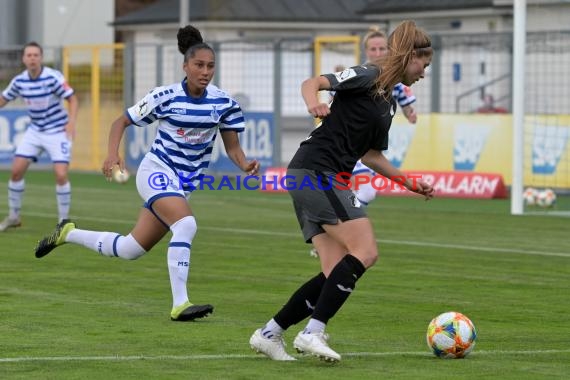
126	247
107	243
314	326
271	329
15	195
63	196
178	257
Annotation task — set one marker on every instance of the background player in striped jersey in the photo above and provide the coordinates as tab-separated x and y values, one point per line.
189	115
51	129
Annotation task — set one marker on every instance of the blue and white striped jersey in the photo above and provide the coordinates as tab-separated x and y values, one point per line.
43	97
403	95
187	126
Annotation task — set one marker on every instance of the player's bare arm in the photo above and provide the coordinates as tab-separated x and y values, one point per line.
72	116
309	90
236	154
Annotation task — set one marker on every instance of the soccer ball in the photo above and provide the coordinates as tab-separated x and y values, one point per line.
530	195
546	198
120	176
451	335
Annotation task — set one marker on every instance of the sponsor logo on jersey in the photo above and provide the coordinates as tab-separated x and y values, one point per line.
179	111
344	75
215	114
141	107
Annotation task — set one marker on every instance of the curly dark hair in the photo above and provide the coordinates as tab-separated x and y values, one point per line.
187	37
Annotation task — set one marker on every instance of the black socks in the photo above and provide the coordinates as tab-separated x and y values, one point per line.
322	297
302	303
339	285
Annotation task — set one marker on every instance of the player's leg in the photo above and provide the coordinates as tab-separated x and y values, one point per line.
347	230
16	187
175	212
147	232
62	190
300	306
343	271
27	151
268	339
59	149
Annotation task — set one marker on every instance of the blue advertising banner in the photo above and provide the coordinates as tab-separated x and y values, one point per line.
257	143
13	124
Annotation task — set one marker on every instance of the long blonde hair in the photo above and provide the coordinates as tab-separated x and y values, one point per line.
404	40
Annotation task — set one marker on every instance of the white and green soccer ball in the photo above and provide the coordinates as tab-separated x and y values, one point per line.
451	335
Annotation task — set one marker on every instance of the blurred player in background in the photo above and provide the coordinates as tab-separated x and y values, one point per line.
355	126
189	115
52	129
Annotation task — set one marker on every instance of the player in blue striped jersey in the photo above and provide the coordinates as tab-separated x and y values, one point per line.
51	129
189	115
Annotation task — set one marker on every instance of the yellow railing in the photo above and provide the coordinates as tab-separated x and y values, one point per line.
96	74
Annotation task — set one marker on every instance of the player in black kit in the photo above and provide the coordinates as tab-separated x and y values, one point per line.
354	127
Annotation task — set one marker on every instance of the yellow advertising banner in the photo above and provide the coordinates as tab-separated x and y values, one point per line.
483	144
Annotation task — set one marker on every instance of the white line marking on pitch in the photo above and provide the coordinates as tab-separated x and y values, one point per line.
387	241
238	356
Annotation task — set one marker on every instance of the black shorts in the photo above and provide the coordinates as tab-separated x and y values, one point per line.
319	199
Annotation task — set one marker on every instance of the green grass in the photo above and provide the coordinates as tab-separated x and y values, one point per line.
77	315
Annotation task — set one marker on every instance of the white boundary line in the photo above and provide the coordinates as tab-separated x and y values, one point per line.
238	356
291	234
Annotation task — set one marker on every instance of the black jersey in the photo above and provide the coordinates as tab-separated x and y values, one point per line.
359	121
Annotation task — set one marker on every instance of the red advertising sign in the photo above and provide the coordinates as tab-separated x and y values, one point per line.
446	184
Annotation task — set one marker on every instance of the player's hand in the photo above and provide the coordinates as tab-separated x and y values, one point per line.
410	114
110	162
413	117
423	188
320	110
252	167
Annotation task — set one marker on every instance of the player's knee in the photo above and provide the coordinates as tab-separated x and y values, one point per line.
128	248
184	229
372	259
368	256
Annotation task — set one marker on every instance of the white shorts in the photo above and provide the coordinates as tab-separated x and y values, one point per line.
33	143
156	180
360	168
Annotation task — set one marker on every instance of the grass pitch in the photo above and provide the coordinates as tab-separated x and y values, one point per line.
77	315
